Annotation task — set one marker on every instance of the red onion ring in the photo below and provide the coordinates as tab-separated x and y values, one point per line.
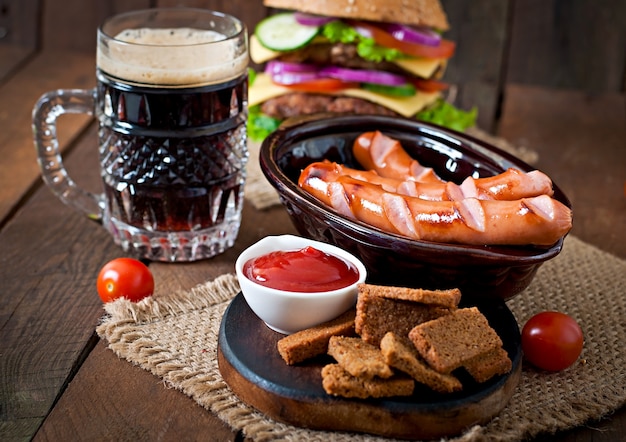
279	67
293	73
420	35
288	78
312	20
363	76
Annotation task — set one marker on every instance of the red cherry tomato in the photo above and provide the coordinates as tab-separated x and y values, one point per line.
552	341
125	278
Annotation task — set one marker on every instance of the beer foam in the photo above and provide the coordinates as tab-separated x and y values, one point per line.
176	57
169	37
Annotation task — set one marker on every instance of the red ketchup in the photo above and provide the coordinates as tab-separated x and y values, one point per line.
304	270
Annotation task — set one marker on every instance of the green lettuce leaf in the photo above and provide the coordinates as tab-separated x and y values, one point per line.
251	76
340	32
369	50
260	125
447	115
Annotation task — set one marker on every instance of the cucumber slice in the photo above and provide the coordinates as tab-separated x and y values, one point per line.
281	32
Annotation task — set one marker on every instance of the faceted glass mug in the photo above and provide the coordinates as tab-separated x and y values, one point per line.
171	106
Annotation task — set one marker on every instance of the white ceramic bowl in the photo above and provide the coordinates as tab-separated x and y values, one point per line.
288	312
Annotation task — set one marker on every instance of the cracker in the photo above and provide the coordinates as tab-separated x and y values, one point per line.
377	314
338	382
484	367
313	341
401	354
448	342
449	298
358	358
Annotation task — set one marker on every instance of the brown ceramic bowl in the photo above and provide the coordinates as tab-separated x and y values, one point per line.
481	271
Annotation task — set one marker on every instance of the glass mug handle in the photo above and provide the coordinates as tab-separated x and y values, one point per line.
48	108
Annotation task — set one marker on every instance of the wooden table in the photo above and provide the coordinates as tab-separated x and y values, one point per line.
60	382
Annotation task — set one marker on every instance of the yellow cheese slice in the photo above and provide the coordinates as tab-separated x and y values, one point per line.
405	106
263	89
420	67
259	53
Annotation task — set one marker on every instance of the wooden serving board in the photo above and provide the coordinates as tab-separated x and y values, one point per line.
251	365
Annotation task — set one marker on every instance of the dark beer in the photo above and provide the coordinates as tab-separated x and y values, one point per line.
171	100
172	107
173	159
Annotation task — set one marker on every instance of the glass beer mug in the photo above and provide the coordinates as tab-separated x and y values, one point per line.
171	106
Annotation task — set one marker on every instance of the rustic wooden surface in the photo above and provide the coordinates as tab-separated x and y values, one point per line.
565	45
16	102
59	382
479	30
576	44
581	142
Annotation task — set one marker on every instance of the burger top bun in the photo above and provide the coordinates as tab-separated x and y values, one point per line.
409	12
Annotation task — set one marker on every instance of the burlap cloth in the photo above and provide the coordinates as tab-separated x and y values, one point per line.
175	338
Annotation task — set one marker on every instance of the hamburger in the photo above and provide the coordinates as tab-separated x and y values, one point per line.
351	56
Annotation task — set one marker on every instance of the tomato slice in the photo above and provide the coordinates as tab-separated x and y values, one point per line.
321	85
445	49
429	85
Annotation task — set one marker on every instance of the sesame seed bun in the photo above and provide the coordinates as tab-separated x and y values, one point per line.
409	12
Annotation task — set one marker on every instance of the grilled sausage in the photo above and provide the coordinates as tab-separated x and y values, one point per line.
509	185
539	220
386	156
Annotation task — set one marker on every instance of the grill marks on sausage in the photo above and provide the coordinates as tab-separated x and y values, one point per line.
385	155
509	185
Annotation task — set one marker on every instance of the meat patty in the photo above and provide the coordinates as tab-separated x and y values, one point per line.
300	103
337	54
